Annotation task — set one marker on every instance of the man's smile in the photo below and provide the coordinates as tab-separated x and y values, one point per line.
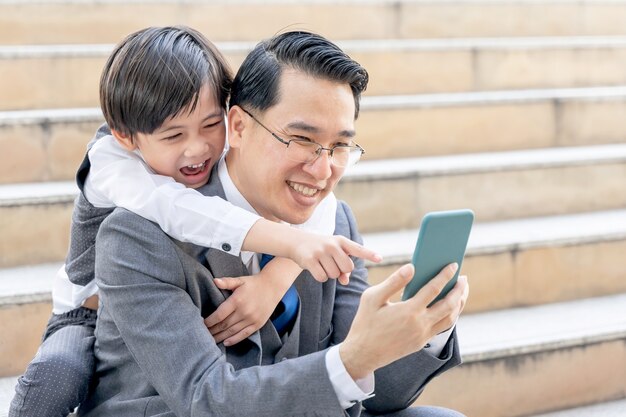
303	189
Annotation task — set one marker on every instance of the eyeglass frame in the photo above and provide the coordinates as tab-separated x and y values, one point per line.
320	148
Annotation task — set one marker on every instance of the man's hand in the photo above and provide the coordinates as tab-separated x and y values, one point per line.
329	256
383	332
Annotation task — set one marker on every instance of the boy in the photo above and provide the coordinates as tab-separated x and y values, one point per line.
163	94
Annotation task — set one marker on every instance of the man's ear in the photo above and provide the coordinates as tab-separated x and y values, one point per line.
126	141
236	126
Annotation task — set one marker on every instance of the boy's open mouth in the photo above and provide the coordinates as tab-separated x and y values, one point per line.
196	169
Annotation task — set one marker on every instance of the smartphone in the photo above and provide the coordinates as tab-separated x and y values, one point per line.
442	240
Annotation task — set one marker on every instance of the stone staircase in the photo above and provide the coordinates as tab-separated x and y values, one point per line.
514	108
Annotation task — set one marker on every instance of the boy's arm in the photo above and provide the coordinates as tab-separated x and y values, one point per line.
121	178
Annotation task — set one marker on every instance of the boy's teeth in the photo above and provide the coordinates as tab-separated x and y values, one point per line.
302	189
195	166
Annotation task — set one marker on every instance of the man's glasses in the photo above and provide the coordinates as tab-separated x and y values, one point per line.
302	150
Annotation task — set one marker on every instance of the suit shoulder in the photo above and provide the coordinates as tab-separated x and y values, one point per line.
345	222
125	222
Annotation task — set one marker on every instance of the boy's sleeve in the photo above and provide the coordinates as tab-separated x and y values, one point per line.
121	178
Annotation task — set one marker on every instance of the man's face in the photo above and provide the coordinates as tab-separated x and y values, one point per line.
309	108
186	146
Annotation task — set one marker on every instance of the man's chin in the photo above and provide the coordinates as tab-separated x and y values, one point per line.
297	216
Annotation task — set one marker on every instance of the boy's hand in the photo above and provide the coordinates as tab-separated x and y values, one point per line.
248	308
329	256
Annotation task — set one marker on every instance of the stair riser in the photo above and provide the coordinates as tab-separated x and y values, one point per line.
101	22
546	274
72	80
21	327
34	234
52	150
43	152
528	384
40	233
381	205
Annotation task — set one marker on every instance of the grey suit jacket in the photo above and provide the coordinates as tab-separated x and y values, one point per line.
155	357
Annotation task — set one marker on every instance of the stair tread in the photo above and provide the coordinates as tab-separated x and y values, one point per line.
498	236
354	45
59	191
607	409
7	387
523	330
597	93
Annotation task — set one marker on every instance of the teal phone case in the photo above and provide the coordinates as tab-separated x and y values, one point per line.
442	240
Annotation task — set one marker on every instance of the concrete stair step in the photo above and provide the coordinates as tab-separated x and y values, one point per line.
35	217
395	194
607	409
7	389
582	343
512	263
45	21
535	359
527	261
57	76
44	145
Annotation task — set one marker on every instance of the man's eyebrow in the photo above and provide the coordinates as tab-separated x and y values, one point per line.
209	116
299	125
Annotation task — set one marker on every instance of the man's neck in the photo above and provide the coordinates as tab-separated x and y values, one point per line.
231	191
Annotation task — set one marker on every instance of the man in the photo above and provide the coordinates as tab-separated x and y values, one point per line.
291	128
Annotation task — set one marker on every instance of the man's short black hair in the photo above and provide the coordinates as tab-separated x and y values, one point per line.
156	73
256	83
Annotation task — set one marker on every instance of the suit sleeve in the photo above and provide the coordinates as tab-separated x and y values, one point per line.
142	286
399	384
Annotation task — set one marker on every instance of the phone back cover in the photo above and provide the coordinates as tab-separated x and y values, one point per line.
442	240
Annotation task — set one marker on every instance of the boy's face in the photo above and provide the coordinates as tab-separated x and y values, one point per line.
186	146
309	108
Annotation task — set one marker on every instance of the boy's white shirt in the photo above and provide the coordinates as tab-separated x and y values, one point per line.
121	178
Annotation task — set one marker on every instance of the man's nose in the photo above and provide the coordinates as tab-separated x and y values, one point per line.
321	168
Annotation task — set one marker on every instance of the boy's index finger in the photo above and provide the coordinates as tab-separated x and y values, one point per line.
360	251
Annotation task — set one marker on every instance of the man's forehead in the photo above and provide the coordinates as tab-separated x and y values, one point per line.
311	104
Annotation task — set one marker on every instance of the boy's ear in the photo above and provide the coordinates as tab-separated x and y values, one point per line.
236	126
125	140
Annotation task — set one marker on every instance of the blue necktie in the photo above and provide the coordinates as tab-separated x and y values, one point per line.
286	310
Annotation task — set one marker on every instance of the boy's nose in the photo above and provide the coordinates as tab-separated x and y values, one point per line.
197	147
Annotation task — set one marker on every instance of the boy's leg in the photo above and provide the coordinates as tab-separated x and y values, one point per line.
418	412
58	378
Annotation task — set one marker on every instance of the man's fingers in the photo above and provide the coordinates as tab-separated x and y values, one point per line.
433	288
223	311
360	251
452	304
228	283
393	284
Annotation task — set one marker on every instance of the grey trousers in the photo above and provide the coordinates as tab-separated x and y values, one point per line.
58	378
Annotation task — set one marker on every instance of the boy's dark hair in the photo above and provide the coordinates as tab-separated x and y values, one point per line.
156	73
256	83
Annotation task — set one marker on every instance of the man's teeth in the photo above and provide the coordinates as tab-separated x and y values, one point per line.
302	189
